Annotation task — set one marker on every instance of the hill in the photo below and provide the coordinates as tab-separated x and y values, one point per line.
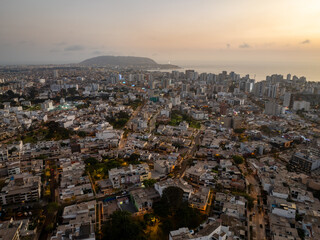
126	61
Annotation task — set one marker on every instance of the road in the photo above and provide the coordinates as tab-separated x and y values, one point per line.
257	220
123	140
189	155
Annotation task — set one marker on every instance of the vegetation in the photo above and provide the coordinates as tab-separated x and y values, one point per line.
265	129
134	104
82	134
239	130
99	170
49	131
119	120
149	182
32	108
52	207
133	159
174	212
123	226
177	117
316	194
301	233
49	228
238	159
56	132
299	217
2	184
82	106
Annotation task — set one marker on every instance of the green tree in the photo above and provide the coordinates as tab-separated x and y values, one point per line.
91	161
174	212
173	196
149	182
238	159
239	130
49	227
82	134
122	226
52	207
134	158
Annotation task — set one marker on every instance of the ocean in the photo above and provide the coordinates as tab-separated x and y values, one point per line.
259	71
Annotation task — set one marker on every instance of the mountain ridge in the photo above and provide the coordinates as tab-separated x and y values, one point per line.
125	61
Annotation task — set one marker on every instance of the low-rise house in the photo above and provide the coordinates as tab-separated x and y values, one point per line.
281	228
134	174
78	222
15	230
280	191
211	230
143	198
200	199
105	186
281	207
187	189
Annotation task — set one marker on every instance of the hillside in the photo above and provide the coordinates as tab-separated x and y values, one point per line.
125	61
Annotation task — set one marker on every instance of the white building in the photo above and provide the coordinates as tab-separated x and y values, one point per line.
301	105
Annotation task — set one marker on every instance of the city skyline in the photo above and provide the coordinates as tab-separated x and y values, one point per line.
180	32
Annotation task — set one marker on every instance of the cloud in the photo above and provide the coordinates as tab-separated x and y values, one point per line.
74	48
269	44
60	44
54	50
305	41
28	43
97	52
244	45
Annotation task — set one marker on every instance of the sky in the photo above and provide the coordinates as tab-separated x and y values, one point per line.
175	31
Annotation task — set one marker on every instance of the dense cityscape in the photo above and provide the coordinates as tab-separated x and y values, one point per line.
127	153
159	120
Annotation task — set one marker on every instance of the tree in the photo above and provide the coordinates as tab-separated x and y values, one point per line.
174	212
82	134
52	207
10	94
238	159
173	196
134	157
91	161
239	130
49	227
122	226
33	92
149	182
265	129
301	233
72	91
149	218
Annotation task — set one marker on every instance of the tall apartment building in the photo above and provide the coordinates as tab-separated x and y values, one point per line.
21	188
287	99
301	105
307	160
272	108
